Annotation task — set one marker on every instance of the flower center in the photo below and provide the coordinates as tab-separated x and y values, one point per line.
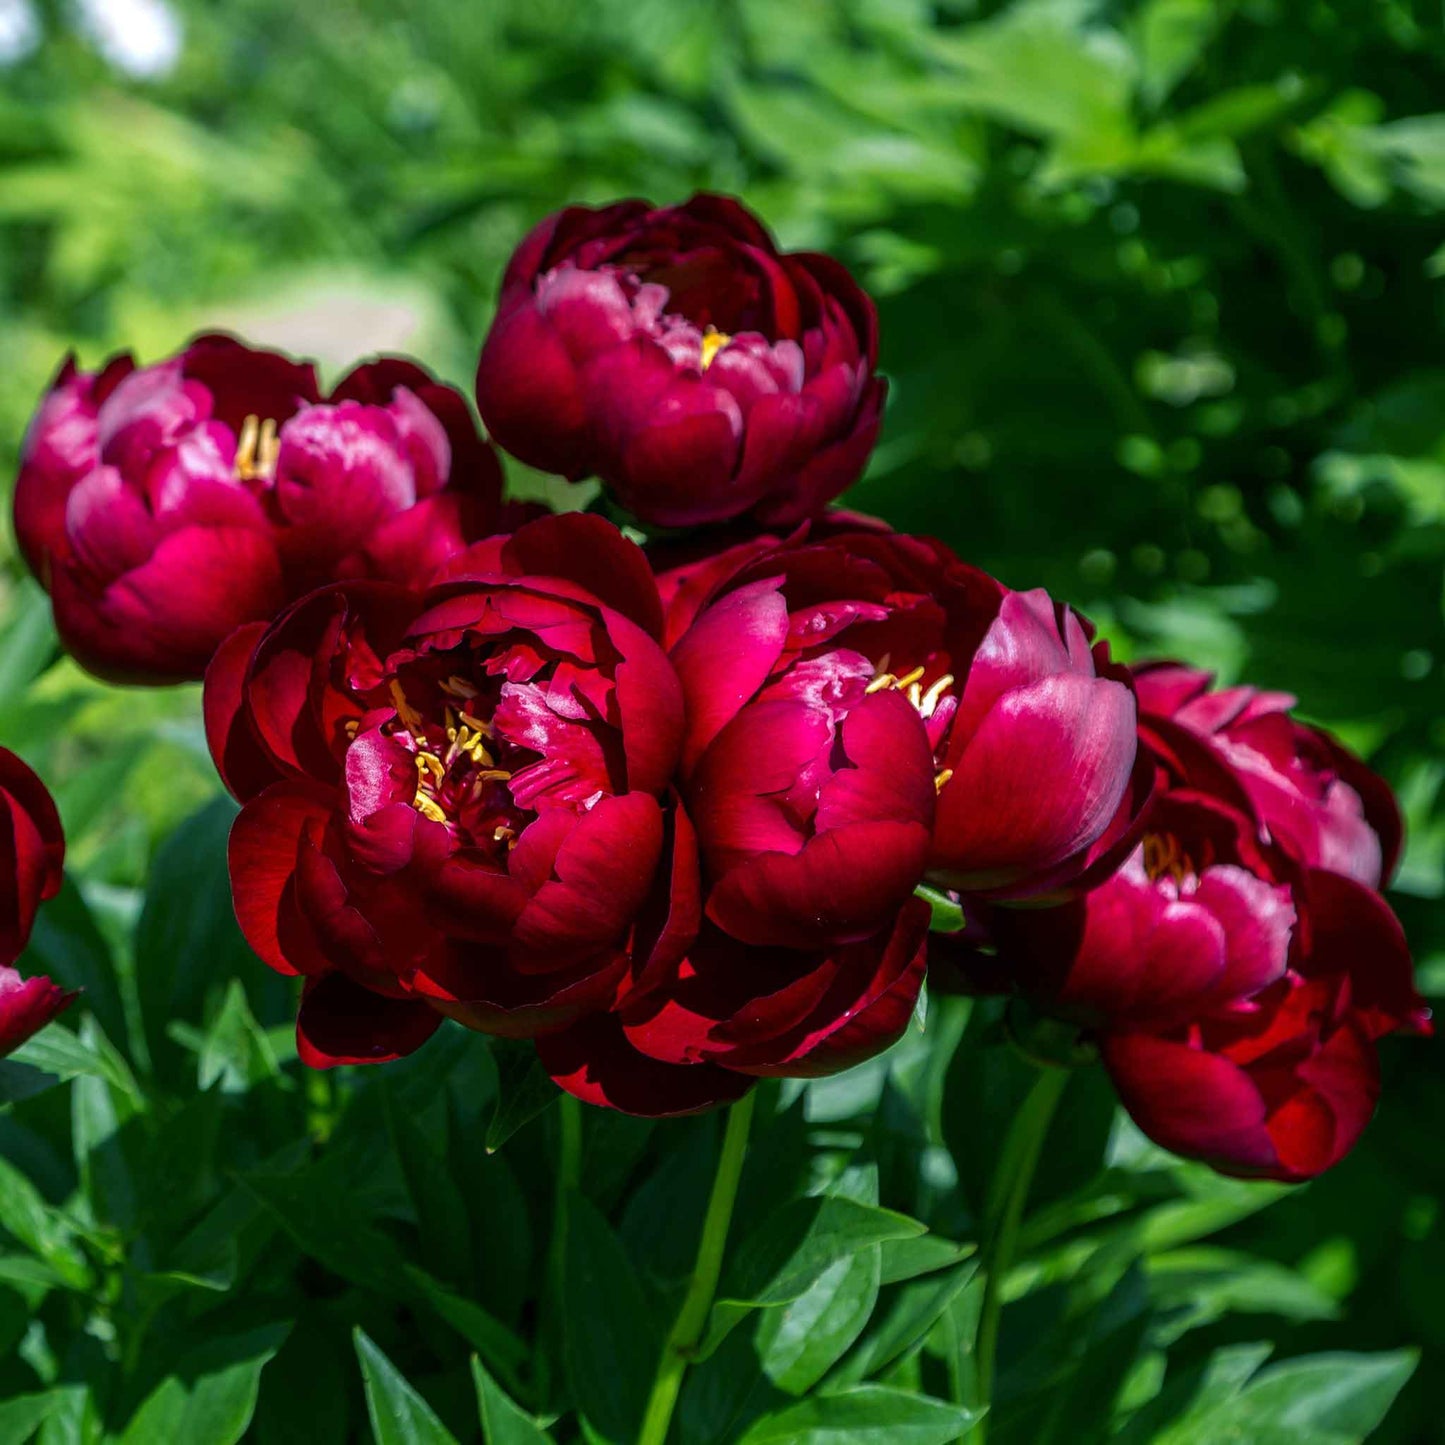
1164	857
257	448
925	701
457	776
713	341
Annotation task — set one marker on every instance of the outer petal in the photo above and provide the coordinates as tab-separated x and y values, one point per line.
1038	782
26	1006
164	621
342	1023
243	763
263	848
594	1061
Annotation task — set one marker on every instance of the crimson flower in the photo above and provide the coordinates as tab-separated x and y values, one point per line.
678	355
163	506
32	852
454	800
1236	986
864	708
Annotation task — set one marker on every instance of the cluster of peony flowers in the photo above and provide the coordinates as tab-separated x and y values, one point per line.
664	809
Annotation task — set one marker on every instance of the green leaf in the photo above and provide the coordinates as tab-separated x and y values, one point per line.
210	1398
58	1051
41	1228
1333	1399
793	1249
399	1416
236	1054
867	1415
441	1212
905	1323
502	1422
612	1338
524	1090
947	910
99	1114
187	943
22	1416
801	1341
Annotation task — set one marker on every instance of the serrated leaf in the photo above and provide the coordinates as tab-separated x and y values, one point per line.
867	1415
399	1416
502	1422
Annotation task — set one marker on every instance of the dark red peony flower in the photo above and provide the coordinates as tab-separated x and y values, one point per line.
680	357
455	801
1236	988
1320	801
840	679
32	852
165	505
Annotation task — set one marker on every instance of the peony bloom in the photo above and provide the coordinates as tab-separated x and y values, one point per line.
455	800
676	354
864	708
1236	987
32	852
1317	799
163	506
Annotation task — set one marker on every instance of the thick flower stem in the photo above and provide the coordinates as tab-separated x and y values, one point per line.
1007	1196
687	1332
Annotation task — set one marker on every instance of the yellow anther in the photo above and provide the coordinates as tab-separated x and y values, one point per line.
493	775
713	341
915	695
410	717
940	780
257	448
351	727
934	695
430	763
909	678
458	687
881	683
428	808
477	725
505	835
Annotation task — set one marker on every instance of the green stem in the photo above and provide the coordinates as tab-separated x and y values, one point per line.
569	1179
687	1332
1007	1197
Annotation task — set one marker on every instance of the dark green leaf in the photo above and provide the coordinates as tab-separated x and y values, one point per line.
399	1416
502	1422
867	1415
524	1090
613	1339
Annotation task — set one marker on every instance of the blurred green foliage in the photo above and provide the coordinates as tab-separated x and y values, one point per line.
1161	294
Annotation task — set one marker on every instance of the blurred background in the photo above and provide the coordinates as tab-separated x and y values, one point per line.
1161	289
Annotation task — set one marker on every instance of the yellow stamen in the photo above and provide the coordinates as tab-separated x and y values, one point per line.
410	717
915	695
505	835
428	808
881	683
477	726
458	687
430	763
934	695
713	341
493	775
257	448
909	678
940	780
